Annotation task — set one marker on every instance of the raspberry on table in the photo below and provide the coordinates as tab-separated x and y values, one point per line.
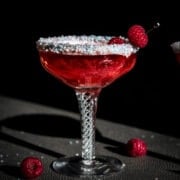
136	147
31	167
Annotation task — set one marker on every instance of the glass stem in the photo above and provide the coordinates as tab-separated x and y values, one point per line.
87	100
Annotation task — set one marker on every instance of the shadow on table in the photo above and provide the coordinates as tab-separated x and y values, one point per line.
64	127
175	171
51	125
13	171
44	124
47	125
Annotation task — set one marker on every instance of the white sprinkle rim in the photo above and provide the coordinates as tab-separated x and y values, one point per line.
85	45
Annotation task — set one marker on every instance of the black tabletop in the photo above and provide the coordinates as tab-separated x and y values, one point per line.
29	129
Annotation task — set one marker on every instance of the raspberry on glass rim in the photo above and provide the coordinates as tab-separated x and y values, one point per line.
116	40
138	36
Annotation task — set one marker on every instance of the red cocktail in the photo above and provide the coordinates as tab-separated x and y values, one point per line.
87	71
87	64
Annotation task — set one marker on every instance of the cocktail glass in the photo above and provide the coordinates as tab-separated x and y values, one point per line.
87	64
176	49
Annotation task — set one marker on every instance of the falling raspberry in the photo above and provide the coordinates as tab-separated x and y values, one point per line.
31	167
138	36
136	147
116	40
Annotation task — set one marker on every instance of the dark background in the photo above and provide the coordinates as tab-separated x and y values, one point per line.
147	97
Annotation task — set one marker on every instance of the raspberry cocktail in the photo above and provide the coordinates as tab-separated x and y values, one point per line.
88	64
83	69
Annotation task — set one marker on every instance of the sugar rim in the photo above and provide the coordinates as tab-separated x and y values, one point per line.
85	45
176	46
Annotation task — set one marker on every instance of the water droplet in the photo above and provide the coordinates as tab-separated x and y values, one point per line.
123	165
77	141
70	142
18	163
7	155
156	178
17	154
152	136
77	154
42	157
143	136
1	161
21	132
31	153
1	155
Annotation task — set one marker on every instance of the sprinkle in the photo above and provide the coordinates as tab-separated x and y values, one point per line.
1	155
143	136
123	165
77	142
152	136
85	45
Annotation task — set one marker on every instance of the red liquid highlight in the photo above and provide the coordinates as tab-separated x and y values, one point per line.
86	71
178	57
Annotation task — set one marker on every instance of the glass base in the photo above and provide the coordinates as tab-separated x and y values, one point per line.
75	166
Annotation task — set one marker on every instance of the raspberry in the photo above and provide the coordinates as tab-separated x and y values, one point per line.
136	147
31	167
137	36
116	40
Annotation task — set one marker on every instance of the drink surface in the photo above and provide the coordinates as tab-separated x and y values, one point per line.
89	64
86	71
